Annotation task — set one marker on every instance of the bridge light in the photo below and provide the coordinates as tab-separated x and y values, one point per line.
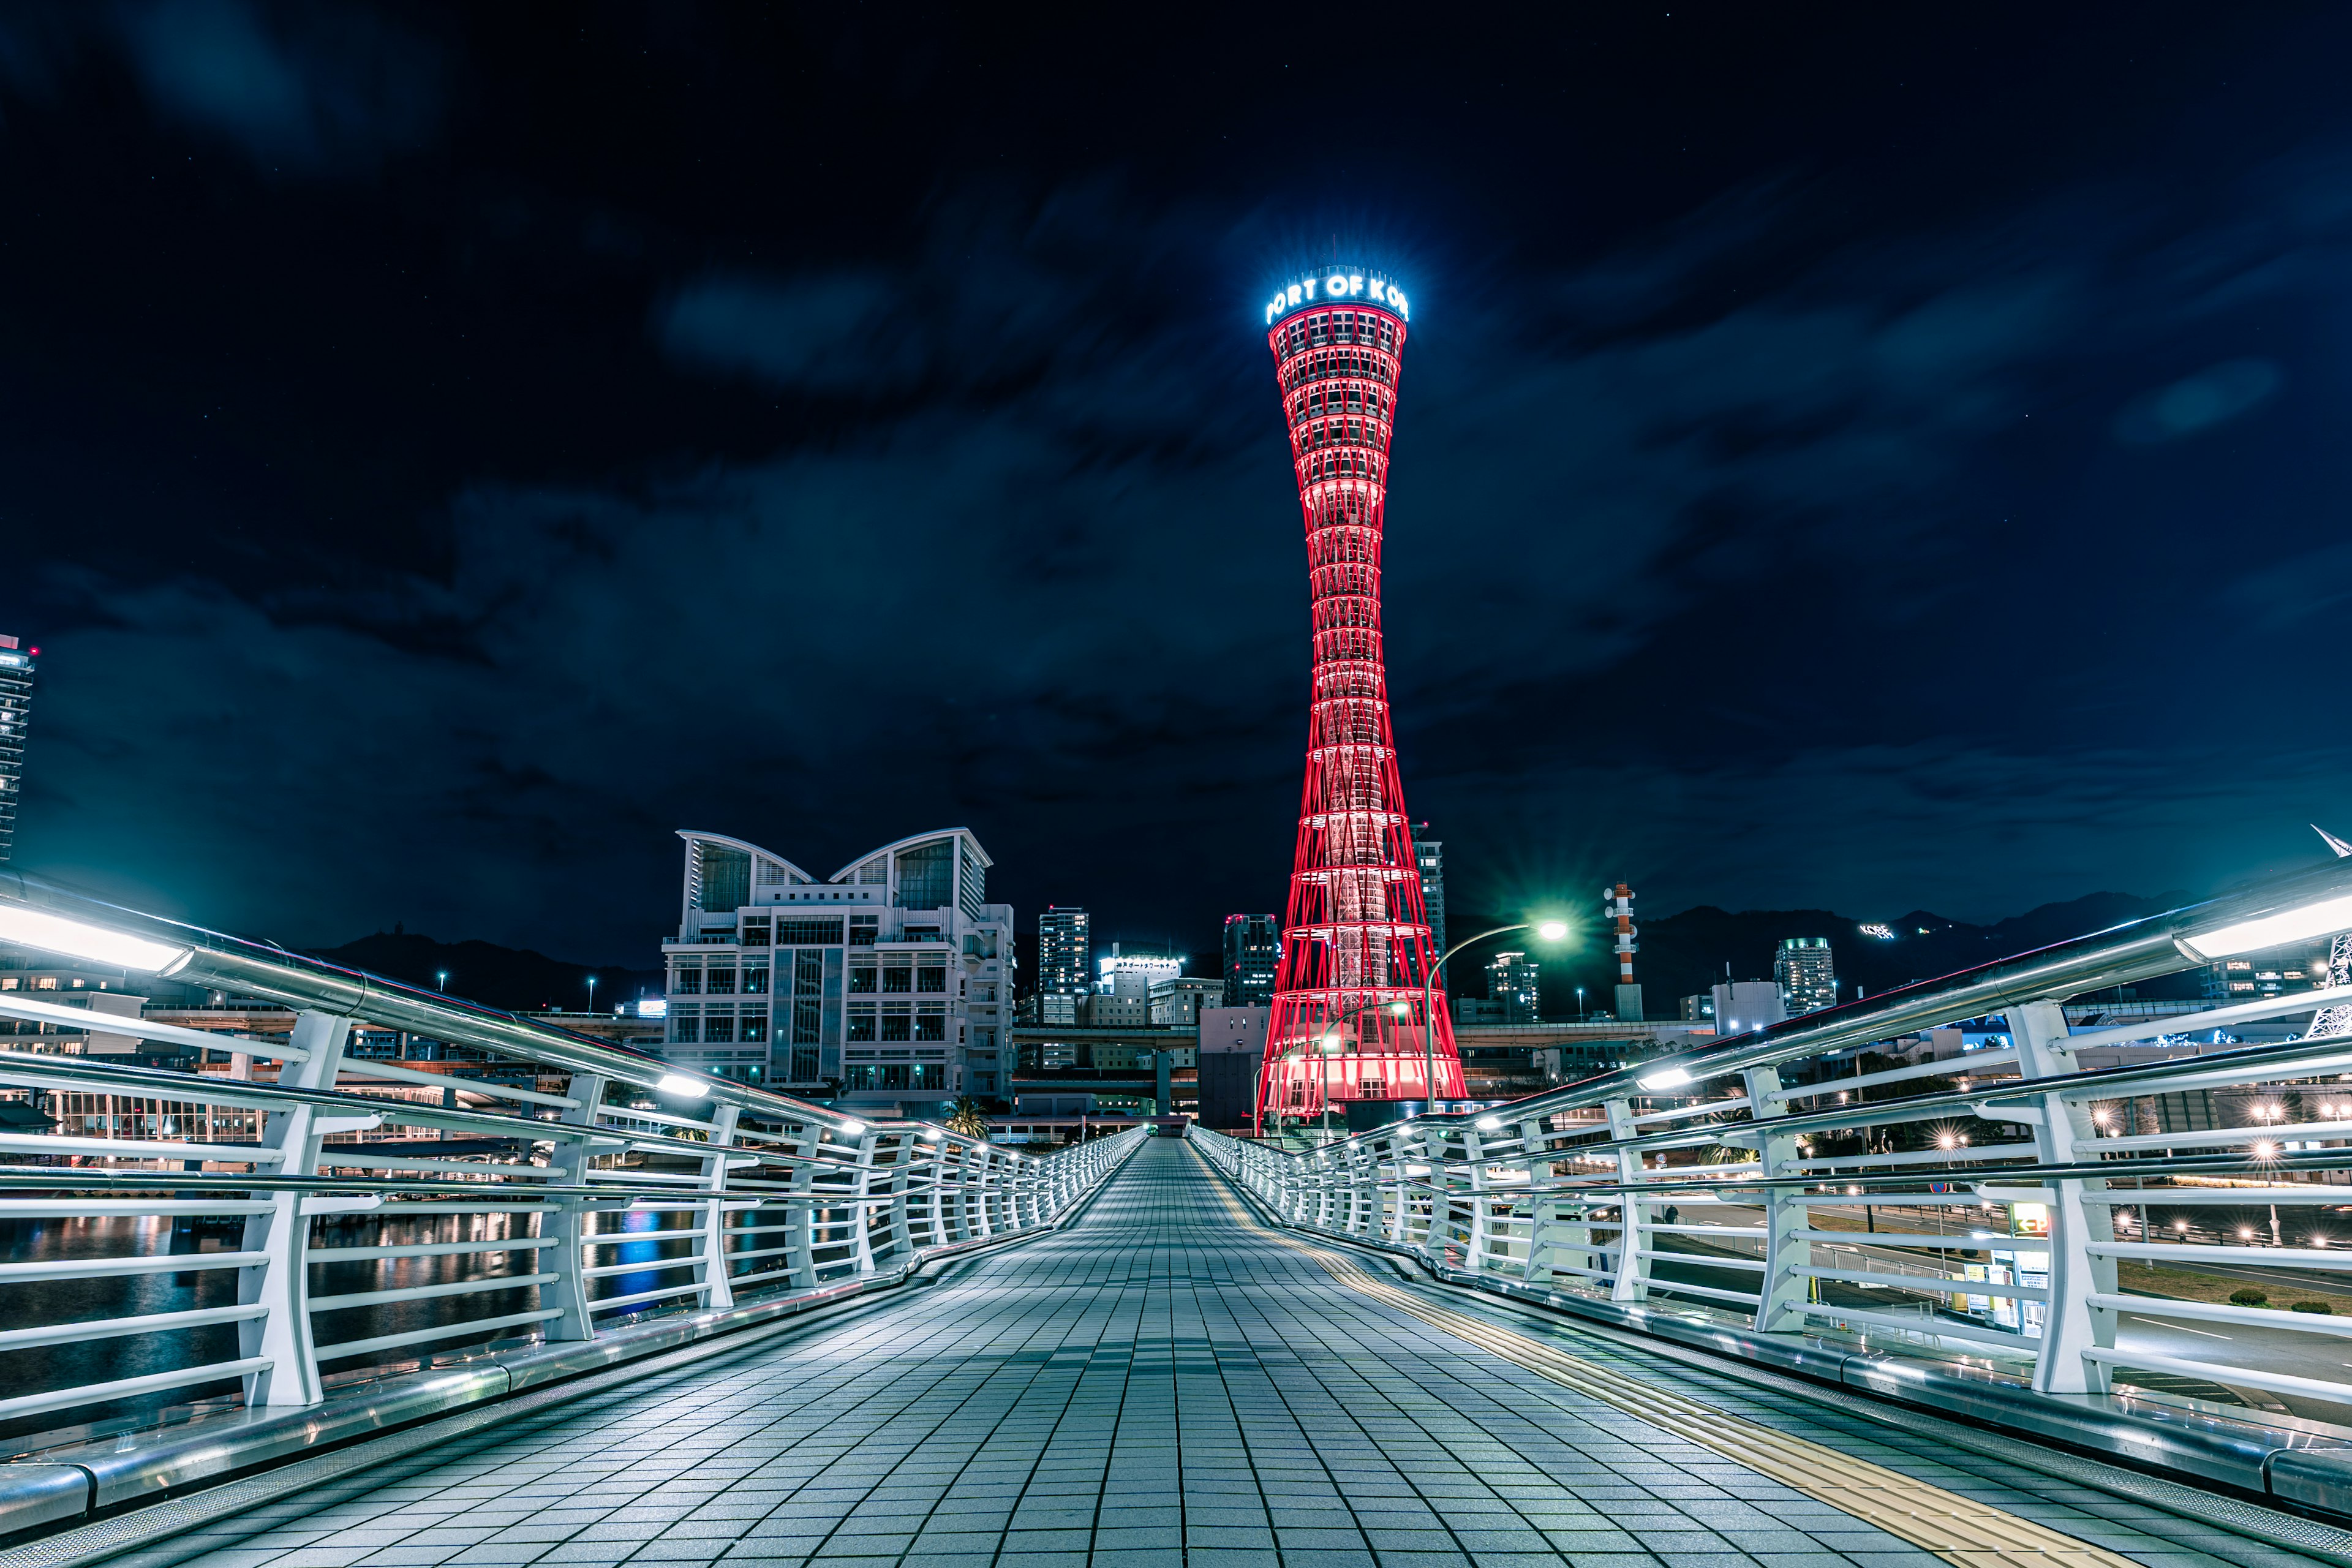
1490	1124
1670	1077
1552	930
2272	931
54	933
851	1128
678	1083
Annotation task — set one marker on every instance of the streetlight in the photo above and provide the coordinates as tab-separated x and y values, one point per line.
441	980
592	994
1580	1003
1550	930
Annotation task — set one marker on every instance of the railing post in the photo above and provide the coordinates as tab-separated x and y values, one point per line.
800	1206
1481	1241
1782	1306
862	1250
1632	1280
283	1283
716	1293
2072	1325
566	1219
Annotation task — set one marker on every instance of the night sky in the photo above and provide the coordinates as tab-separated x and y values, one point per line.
1865	459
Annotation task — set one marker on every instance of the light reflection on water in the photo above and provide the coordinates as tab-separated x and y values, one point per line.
39	1368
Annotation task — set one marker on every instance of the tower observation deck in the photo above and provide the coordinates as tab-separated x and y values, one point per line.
1355	1015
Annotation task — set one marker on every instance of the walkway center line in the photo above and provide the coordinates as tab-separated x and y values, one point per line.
1959	1530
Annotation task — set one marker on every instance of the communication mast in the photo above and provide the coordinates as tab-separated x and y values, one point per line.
1349	1019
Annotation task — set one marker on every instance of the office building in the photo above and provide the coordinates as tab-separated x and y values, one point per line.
1744	1004
1232	1043
1180	1001
1429	855
891	979
1698	1009
1145	967
16	710
1511	984
1066	951
1253	951
1806	974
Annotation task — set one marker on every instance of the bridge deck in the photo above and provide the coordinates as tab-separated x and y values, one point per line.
1158	1384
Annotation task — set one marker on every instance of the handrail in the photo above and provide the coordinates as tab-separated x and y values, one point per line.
2104	1169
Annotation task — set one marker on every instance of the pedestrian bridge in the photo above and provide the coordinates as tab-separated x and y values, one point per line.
1170	1380
1791	1300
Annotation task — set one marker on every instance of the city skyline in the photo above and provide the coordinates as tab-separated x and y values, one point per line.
467	503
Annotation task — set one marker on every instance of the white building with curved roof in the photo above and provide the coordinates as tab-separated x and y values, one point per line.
890	981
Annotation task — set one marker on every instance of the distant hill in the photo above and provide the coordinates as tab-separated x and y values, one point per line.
517	979
1686	952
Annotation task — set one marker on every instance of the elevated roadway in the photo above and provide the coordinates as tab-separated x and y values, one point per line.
1171	1382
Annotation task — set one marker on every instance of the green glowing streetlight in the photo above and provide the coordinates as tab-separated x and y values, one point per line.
1546	931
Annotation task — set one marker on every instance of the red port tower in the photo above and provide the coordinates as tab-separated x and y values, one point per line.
1357	1011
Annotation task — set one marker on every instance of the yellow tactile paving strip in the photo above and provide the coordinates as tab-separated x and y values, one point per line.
1959	1530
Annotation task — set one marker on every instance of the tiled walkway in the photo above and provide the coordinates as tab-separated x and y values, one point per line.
1152	1386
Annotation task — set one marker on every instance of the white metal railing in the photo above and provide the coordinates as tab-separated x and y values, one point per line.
594	1207
2003	1200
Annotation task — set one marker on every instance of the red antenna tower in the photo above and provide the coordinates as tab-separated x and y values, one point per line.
1349	1018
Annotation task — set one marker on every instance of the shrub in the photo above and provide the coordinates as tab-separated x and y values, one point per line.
2322	1308
2250	1297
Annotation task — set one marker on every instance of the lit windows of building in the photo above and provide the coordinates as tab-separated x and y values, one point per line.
1511	987
1065	953
1806	974
1253	953
15	710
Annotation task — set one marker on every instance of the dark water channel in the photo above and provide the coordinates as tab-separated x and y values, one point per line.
38	1369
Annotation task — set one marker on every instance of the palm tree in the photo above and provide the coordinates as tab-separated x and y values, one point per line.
967	1120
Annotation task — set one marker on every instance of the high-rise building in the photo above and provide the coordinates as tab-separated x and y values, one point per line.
1511	981
16	709
1356	951
1065	949
1429	854
1806	974
1252	950
892	977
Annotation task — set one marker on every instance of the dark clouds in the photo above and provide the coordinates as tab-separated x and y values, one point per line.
626	447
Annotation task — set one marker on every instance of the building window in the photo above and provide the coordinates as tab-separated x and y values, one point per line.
861	1021
894	1076
926	874
721	981
685	982
753	1030
718	1028
898	976
929	1026
685	1028
804	1066
808	933
755	931
932	979
808	974
932	1076
862	929
897	1027
806	1022
985	1040
755	980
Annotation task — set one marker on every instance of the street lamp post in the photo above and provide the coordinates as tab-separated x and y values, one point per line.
1550	931
592	994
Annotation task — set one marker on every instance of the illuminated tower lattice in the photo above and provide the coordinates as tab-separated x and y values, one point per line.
1347	1021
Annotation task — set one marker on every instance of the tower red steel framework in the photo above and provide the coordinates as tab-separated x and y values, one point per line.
1347	1021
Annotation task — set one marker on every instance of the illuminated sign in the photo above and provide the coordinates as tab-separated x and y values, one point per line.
1883	932
1336	287
653	1007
